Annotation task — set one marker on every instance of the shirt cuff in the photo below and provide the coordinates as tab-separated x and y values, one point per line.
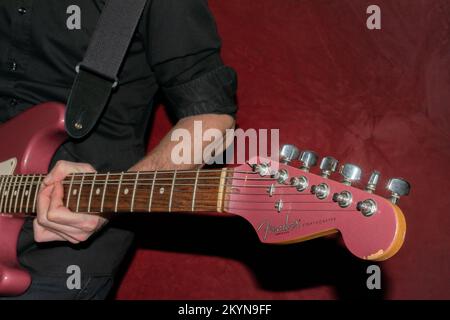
212	92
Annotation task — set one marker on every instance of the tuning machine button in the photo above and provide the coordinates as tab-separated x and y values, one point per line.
373	181
399	188
308	160
288	152
328	165
351	173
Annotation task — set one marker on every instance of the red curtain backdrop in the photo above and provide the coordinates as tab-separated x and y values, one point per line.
378	98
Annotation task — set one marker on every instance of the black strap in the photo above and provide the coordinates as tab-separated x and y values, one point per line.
97	73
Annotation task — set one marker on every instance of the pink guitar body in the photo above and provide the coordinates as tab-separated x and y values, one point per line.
35	136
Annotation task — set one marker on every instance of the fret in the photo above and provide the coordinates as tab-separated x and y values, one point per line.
38	184
90	193
104	192
151	192
29	193
23	192
8	193
70	190
12	193
18	192
195	189
1	183
134	190
79	192
118	192
4	184
171	191
220	194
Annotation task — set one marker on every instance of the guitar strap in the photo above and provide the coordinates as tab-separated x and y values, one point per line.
97	74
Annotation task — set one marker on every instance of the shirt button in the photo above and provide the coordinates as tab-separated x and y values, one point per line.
13	102
13	66
22	10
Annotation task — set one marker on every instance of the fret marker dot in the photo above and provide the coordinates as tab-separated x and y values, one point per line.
26	192
97	192
15	192
126	191
161	190
75	192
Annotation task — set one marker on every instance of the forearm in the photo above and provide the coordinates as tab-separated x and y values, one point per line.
160	157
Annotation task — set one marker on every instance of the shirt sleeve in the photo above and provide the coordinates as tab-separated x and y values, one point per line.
183	49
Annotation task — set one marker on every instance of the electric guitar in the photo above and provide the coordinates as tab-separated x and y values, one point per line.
283	203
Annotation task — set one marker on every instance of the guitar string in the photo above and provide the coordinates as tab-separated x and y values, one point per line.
168	171
18	182
140	189
211	204
206	202
206	208
144	183
89	174
17	192
231	200
11	181
166	185
142	173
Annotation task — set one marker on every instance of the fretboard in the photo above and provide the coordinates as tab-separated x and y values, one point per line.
156	191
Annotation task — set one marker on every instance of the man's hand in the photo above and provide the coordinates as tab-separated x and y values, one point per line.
54	222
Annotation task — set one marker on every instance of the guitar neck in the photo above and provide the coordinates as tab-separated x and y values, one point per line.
152	191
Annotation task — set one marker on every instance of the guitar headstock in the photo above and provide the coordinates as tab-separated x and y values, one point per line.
285	203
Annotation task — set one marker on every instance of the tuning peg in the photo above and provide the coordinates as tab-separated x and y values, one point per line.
328	165
373	181
288	153
399	188
351	173
308	159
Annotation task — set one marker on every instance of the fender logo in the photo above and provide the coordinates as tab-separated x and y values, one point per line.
286	227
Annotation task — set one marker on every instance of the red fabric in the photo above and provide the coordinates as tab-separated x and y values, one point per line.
377	98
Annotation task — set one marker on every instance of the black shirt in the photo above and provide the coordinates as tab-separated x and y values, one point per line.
175	48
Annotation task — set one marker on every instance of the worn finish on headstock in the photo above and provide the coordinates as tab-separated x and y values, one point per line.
281	214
